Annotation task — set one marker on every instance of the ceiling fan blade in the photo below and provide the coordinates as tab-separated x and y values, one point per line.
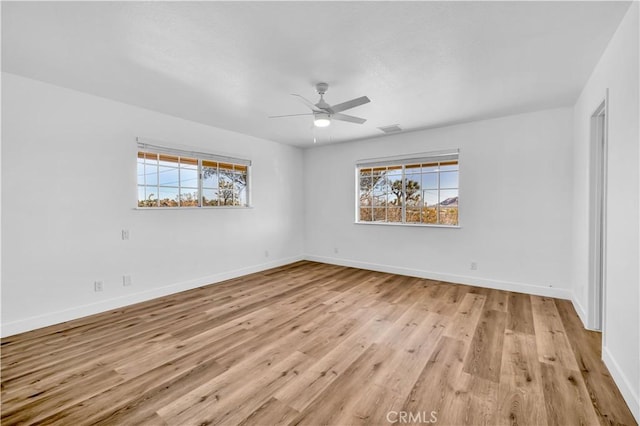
350	104
308	103
349	118
289	115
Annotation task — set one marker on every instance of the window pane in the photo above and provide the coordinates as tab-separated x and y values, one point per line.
168	160
394	214
449	165
209	197
240	193
430	181
412	168
140	172
225	193
380	200
449	197
150	197
225	167
430	198
365	186
238	178
151	174
148	156
449	179
413	177
365	171
168	176
415	199
147	196
430	167
449	215
188	177
365	198
379	192
241	199
210	177
379	214
366	183
449	207
168	197
188	162
413	188
430	214
189	197
394	198
225	177
413	215
365	214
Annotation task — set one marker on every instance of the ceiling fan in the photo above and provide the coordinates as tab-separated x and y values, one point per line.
323	113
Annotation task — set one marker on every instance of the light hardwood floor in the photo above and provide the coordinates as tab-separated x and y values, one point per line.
311	343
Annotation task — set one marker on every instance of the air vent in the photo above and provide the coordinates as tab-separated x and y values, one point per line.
391	129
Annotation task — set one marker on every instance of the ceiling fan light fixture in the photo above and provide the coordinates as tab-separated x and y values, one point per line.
321	120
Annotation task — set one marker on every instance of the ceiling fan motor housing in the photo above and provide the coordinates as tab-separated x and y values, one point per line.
322	88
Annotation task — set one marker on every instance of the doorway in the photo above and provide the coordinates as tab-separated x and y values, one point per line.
598	197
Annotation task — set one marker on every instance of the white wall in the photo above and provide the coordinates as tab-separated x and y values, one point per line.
515	206
69	188
618	71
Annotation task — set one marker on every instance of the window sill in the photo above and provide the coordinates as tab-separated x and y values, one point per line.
196	208
415	225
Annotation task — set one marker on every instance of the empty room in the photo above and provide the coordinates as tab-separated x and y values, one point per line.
320	213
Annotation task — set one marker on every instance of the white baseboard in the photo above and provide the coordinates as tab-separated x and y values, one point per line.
559	293
624	385
31	323
582	314
51	318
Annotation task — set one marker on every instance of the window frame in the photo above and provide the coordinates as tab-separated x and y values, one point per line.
197	159
404	163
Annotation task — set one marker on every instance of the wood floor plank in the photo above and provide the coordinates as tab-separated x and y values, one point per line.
551	338
190	369
466	317
482	359
310	343
566	396
437	387
273	412
335	407
519	316
306	387
605	395
521	398
389	391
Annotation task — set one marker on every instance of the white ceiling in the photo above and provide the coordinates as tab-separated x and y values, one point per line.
232	64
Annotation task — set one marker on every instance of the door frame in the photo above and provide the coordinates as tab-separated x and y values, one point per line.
598	217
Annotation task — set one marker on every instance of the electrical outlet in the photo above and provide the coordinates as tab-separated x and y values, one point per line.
125	234
126	280
474	266
335	250
266	253
97	286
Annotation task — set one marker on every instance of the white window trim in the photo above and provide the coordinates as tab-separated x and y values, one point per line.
434	156
149	145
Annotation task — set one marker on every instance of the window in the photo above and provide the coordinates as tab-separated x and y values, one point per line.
173	178
420	190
